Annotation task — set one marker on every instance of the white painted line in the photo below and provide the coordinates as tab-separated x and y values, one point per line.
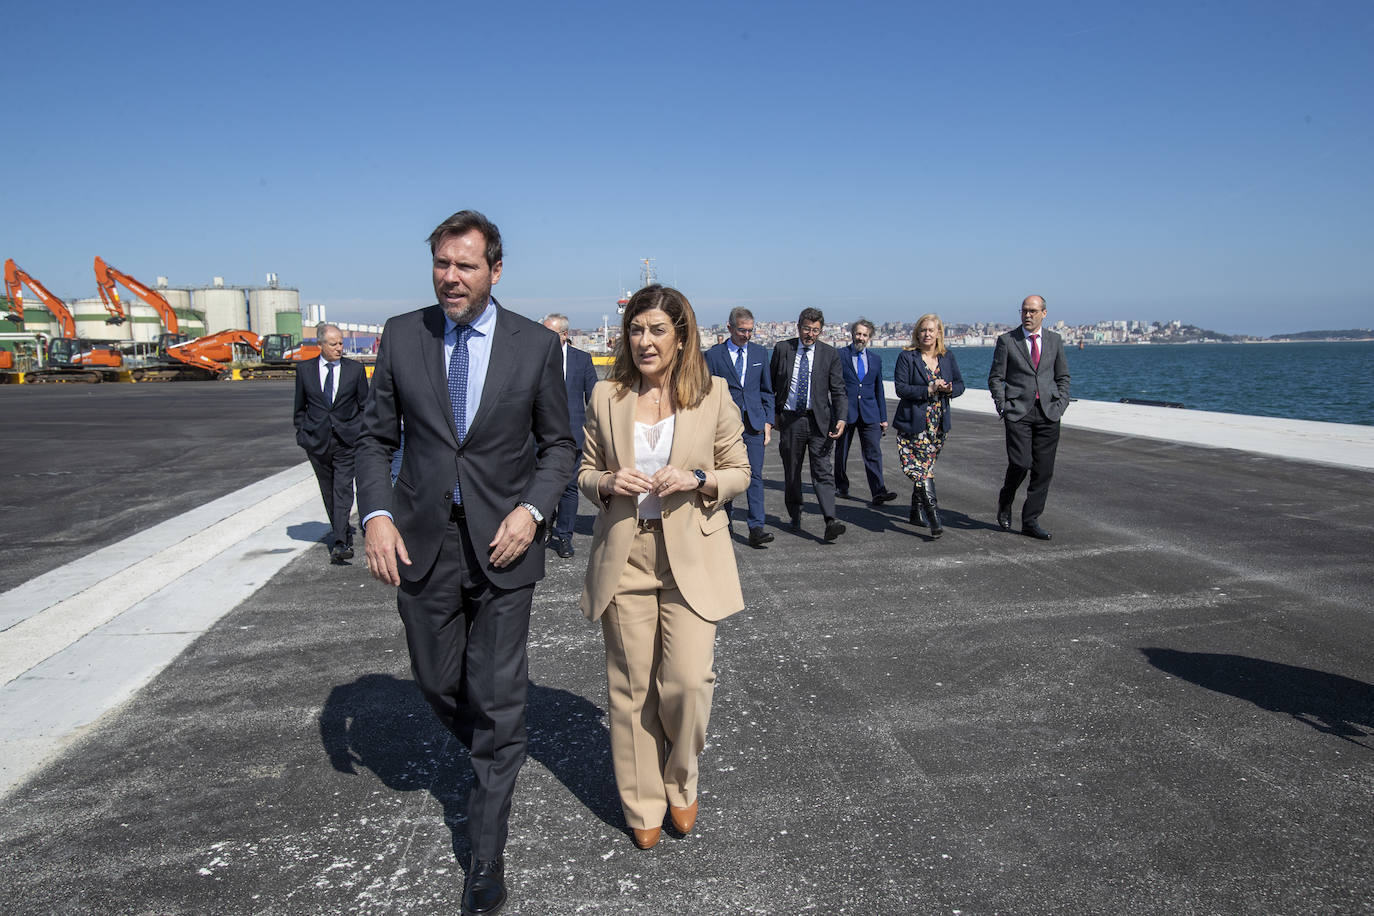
49	705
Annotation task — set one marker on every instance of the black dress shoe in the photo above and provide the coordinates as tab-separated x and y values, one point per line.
563	547
340	553
1004	519
833	528
1033	529
485	888
886	496
842	494
758	537
796	522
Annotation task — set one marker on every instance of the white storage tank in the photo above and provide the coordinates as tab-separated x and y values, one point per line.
224	307
91	315
264	304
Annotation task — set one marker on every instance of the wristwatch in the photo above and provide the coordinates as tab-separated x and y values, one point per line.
530	508
701	478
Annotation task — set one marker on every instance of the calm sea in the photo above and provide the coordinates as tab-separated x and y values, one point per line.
1305	381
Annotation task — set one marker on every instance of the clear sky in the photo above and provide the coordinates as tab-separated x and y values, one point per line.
1206	161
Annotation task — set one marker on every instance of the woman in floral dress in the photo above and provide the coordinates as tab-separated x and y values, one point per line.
926	377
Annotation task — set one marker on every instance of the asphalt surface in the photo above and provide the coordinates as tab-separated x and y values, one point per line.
84	466
1169	708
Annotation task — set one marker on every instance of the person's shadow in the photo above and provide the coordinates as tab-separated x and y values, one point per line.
1330	703
383	724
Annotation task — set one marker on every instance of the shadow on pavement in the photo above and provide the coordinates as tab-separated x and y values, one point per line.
383	724
1330	703
308	531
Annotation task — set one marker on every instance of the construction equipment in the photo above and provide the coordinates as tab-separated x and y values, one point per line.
69	359
106	277
280	353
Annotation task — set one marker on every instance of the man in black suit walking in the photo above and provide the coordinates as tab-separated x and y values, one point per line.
331	393
811	403
1029	381
488	451
579	375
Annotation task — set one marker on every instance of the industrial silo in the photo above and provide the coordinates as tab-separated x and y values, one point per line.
265	305
224	307
191	323
91	324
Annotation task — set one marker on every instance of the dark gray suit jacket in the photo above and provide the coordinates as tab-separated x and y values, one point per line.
1013	381
829	403
315	420
519	447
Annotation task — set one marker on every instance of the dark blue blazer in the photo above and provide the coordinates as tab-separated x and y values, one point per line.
911	379
866	401
580	380
755	397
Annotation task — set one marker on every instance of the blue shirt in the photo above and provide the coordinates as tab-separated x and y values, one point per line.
791	403
734	352
479	353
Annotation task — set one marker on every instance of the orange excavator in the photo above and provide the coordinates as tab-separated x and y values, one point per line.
106	277
215	356
69	359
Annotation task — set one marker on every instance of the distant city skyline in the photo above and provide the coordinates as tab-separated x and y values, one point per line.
1202	163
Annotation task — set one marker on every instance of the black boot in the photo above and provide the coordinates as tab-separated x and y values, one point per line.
931	507
918	512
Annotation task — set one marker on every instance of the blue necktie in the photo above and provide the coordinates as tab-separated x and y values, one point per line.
803	379
739	365
863	366
329	384
458	388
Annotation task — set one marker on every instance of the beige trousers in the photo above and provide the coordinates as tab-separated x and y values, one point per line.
658	668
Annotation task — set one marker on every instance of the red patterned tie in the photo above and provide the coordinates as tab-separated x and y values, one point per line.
1035	350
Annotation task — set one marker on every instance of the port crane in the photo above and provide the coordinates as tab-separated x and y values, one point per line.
106	277
69	359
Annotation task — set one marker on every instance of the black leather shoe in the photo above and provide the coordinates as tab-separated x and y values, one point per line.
833	529
1033	529
1004	518
563	547
340	553
758	537
886	496
842	494
796	522
485	888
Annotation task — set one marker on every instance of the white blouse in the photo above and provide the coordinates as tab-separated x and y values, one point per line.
653	443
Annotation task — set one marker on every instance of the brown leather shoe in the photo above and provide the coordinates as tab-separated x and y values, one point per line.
647	839
683	818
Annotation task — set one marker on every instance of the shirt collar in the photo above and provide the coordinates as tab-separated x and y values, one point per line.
734	349
483	325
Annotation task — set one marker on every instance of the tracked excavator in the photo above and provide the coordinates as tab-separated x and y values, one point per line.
69	359
106	278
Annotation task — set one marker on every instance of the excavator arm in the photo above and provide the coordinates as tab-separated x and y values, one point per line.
106	277
16	279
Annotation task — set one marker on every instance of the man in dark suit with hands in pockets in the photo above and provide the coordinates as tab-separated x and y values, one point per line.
488	451
744	366
1029	381
331	393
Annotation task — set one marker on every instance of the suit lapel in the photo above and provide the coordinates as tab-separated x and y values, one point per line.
432	353
623	428
684	435
500	365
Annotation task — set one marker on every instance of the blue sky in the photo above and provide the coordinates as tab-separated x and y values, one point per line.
1205	161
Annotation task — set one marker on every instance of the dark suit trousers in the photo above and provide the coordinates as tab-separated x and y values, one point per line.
871	445
1031	445
467	642
800	438
753	444
334	472
567	511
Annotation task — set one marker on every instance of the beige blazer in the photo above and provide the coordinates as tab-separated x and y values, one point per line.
695	530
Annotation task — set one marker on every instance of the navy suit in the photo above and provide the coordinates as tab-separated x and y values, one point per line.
580	378
754	398
867	413
327	431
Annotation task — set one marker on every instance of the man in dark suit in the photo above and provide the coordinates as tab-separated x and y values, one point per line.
488	451
331	393
1029	381
863	385
579	375
741	364
809	391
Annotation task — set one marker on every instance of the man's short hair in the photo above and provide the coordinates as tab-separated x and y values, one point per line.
557	318
738	314
864	322
463	222
324	327
809	315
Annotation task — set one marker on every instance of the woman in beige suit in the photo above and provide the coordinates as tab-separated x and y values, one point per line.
664	452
